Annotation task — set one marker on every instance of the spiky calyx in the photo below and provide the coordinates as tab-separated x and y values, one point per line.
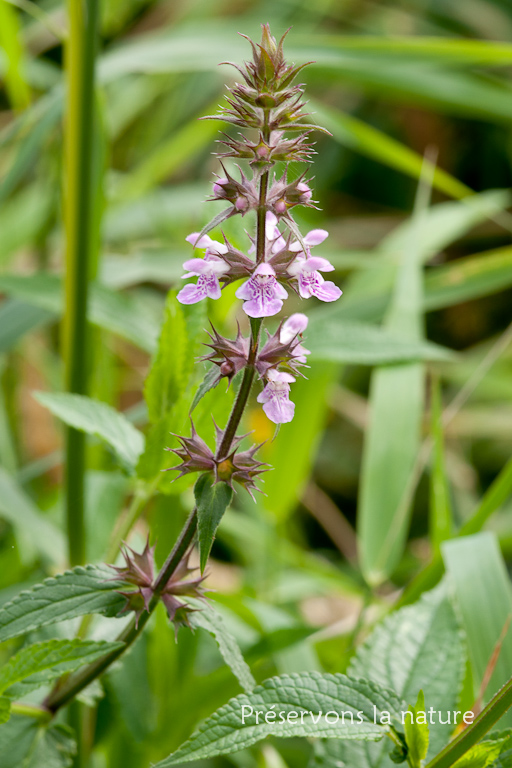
288	355
238	466
229	355
139	571
267	101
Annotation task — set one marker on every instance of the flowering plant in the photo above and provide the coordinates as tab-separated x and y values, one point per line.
278	258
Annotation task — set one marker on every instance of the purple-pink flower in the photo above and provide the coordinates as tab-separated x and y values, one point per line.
295	325
275	397
208	270
262	294
307	268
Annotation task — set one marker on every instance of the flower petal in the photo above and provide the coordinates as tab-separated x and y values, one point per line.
280	410
316	236
190	294
327	291
296	323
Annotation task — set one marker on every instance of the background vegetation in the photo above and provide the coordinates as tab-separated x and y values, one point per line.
396	440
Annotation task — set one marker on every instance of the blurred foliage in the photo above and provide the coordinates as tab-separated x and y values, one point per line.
366	452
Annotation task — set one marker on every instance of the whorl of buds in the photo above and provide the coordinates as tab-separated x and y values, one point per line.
139	571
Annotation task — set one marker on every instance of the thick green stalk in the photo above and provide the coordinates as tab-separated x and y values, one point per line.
78	190
489	716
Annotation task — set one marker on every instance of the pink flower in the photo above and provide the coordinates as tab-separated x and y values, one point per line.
294	326
274	396
263	295
208	271
307	268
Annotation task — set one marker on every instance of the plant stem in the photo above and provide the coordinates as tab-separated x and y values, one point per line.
80	53
64	693
489	716
31	710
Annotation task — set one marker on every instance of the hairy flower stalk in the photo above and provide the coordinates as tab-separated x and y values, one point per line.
278	261
269	103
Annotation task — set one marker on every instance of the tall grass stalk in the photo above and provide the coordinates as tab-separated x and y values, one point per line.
79	209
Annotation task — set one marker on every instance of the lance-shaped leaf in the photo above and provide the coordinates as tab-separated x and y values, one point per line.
212	500
85	589
207	618
393	437
100	419
481	585
41	662
416	732
302	704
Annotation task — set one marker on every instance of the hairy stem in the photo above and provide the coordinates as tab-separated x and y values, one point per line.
80	53
66	691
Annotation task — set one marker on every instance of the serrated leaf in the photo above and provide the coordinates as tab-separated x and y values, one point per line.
25	744
5	709
212	500
84	590
418	647
99	419
207	618
416	733
210	381
39	663
481	755
306	692
167	376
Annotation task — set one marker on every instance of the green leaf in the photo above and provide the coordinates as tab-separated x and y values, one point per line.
419	647
17	319
84	590
307	692
212	500
25	744
440	523
115	312
481	755
96	418
416	732
481	585
468	278
210	381
5	709
393	437
365	344
35	533
167	377
205	617
361	137
39	663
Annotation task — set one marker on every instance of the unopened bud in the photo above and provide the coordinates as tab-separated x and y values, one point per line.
305	190
227	368
218	188
241	203
280	206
